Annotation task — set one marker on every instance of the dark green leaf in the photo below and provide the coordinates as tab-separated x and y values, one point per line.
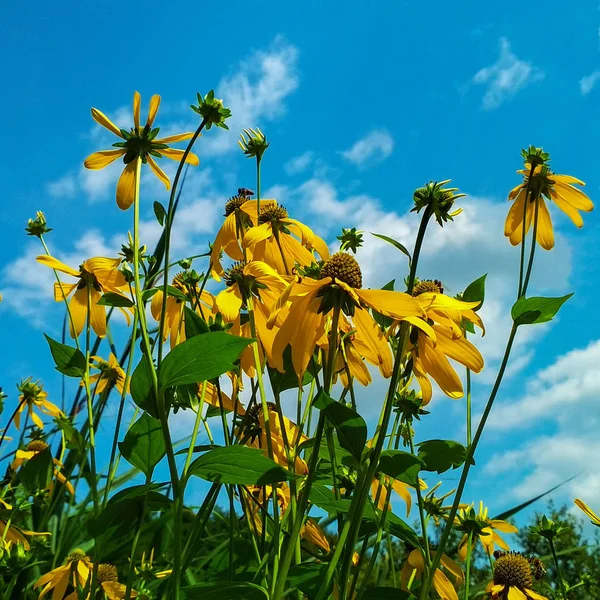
528	311
173	291
402	530
112	299
201	448
201	358
475	291
37	472
289	380
307	577
225	590
239	465
147	294
142	388
394	243
441	455
400	465
68	360
144	445
351	427
194	323
159	212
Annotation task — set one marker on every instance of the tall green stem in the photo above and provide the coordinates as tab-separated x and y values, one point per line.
524	231
533	245
563	591
468	565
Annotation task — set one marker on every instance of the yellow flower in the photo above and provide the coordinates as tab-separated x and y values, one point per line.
111	373
586	509
96	276
33	396
434	506
513	579
401	488
557	188
488	536
11	534
73	573
147	571
441	583
430	354
303	309
211	397
108	578
279	241
138	142
175	308
35	447
313	534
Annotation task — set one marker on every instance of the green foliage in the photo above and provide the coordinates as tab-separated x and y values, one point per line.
144	444
530	311
402	466
67	360
441	455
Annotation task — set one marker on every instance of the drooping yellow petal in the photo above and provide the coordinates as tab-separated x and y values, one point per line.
567	179
356	366
257	234
103	120
423	380
78	308
545	233
229	303
62	290
567	208
534	595
154	104
453	567
514	218
459	349
437	366
159	172
575	197
515	593
503	526
137	101
443	587
97	314
392	304
103	158
54	263
588	511
312	533
370	334
179	137
177	155
126	186
402	490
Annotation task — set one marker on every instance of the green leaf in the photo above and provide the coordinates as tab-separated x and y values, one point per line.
173	291
142	387
144	445
194	323
386	593
307	577
225	590
441	455
201	358
394	243
289	379
201	448
159	212
67	360
351	427
475	291
112	299
147	294
239	465
36	474
383	320
529	311
402	466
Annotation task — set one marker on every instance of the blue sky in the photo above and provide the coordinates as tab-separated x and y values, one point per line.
361	107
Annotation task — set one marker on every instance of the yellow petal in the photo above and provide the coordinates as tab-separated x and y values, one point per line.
97	314
99	160
588	511
370	334
103	120
423	380
312	533
534	595
54	263
137	101
567	208
437	366
503	526
177	155
545	234
454	568
154	104
78	309
514	218
126	186
443	586
179	137
463	547
574	197
402	490
357	366
392	304
229	303
257	234
459	349
159	172
515	594
568	179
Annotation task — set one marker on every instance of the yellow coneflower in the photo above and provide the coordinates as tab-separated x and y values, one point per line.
108	578
488	537
401	488
35	447
544	183
138	142
33	397
11	534
96	276
74	572
588	511
303	310
430	355
278	240
414	567
513	578
111	373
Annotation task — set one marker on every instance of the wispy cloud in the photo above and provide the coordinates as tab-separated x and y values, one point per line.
505	77
65	187
299	163
587	83
374	147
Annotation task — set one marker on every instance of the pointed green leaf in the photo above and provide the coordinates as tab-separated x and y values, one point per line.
112	299
239	465
201	358
441	455
400	465
475	291
529	311
36	474
144	445
194	323
142	387
67	360
394	243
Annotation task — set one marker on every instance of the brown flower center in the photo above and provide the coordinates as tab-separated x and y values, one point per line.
107	572
36	446
271	213
234	274
77	555
513	569
344	267
428	285
234	203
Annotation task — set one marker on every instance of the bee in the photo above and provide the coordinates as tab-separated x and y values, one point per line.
245	192
537	567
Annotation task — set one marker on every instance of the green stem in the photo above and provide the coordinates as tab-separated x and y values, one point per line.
420	504
197	421
563	591
468	565
524	231
533	245
468	394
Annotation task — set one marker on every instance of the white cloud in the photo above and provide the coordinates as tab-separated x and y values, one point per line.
299	163
374	147
587	83
65	187
505	77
